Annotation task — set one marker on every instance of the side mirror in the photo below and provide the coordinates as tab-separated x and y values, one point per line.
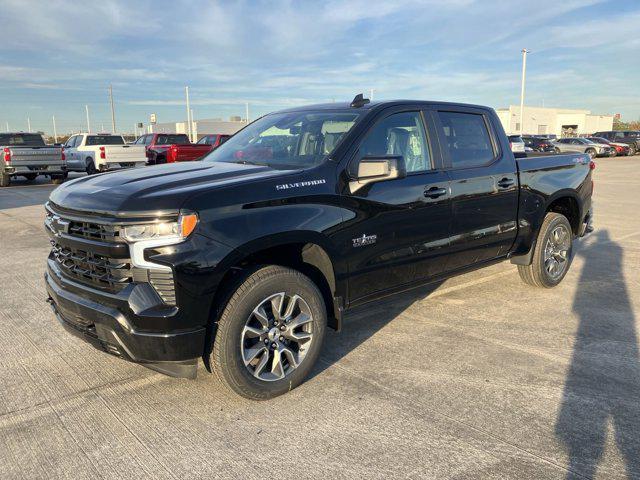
378	169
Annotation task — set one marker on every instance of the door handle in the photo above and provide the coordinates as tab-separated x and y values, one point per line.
506	183
435	192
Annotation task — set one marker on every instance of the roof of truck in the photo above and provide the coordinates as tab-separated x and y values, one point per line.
376	104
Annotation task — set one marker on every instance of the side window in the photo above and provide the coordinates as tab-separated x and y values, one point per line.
619	135
399	134
70	142
148	139
467	139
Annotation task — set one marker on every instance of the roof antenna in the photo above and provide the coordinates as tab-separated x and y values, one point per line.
359	101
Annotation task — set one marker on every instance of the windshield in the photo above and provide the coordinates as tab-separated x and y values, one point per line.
286	140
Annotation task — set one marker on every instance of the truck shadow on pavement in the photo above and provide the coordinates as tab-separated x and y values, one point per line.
602	386
364	321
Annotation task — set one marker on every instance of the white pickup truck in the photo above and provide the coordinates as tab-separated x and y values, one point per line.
26	155
93	153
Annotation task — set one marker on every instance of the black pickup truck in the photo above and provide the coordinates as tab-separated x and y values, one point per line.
245	258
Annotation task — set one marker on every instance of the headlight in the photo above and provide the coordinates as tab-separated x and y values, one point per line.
162	231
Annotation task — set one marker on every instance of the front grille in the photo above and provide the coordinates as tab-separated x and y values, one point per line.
78	262
97	270
95	231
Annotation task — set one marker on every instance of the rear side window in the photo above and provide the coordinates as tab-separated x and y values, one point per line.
21	140
467	139
104	140
171	139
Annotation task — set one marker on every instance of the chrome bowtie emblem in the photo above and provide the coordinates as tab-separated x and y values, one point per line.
59	225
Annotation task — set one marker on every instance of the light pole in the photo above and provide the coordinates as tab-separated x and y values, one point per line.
246	110
524	74
113	112
86	107
29	124
186	89
55	132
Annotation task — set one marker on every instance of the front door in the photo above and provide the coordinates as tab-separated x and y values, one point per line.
400	228
484	187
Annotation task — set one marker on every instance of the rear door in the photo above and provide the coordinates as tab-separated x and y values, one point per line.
484	186
401	227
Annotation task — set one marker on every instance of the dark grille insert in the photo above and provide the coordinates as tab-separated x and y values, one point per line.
110	273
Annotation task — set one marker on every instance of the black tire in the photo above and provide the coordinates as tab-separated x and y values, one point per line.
591	152
632	150
30	176
227	353
5	180
556	150
90	166
57	179
536	274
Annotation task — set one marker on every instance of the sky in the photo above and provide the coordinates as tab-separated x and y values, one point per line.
57	56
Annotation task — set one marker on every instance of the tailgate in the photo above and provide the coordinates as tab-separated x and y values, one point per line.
125	153
36	156
190	152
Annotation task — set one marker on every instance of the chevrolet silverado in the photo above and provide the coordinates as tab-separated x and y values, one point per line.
245	259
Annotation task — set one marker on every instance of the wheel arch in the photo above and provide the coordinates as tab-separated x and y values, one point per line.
307	252
565	202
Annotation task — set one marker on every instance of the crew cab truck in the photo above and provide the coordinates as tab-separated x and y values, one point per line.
171	148
245	259
26	155
93	153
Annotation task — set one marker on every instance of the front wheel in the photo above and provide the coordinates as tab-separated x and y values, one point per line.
270	333
552	253
556	150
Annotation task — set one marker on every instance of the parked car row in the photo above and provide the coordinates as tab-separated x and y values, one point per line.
27	155
601	144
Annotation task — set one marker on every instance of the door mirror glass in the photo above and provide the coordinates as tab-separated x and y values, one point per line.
378	169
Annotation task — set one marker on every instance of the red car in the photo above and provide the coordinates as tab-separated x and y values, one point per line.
171	147
621	148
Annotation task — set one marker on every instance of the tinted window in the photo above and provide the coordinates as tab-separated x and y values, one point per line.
104	140
287	140
399	134
467	139
205	140
22	140
171	139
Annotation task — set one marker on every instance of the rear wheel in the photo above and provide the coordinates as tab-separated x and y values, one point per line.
591	152
5	180
632	150
556	150
270	333
90	166
58	179
552	253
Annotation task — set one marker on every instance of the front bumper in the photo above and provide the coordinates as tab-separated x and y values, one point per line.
102	319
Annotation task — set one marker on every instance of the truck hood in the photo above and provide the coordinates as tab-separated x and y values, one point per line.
154	189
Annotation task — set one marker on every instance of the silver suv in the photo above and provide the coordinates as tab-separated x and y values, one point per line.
581	145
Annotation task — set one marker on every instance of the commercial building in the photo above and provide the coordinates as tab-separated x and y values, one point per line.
559	121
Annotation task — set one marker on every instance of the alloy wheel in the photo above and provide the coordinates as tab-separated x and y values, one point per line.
556	251
276	336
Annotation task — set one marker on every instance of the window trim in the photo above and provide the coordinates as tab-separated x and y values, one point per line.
410	109
497	149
